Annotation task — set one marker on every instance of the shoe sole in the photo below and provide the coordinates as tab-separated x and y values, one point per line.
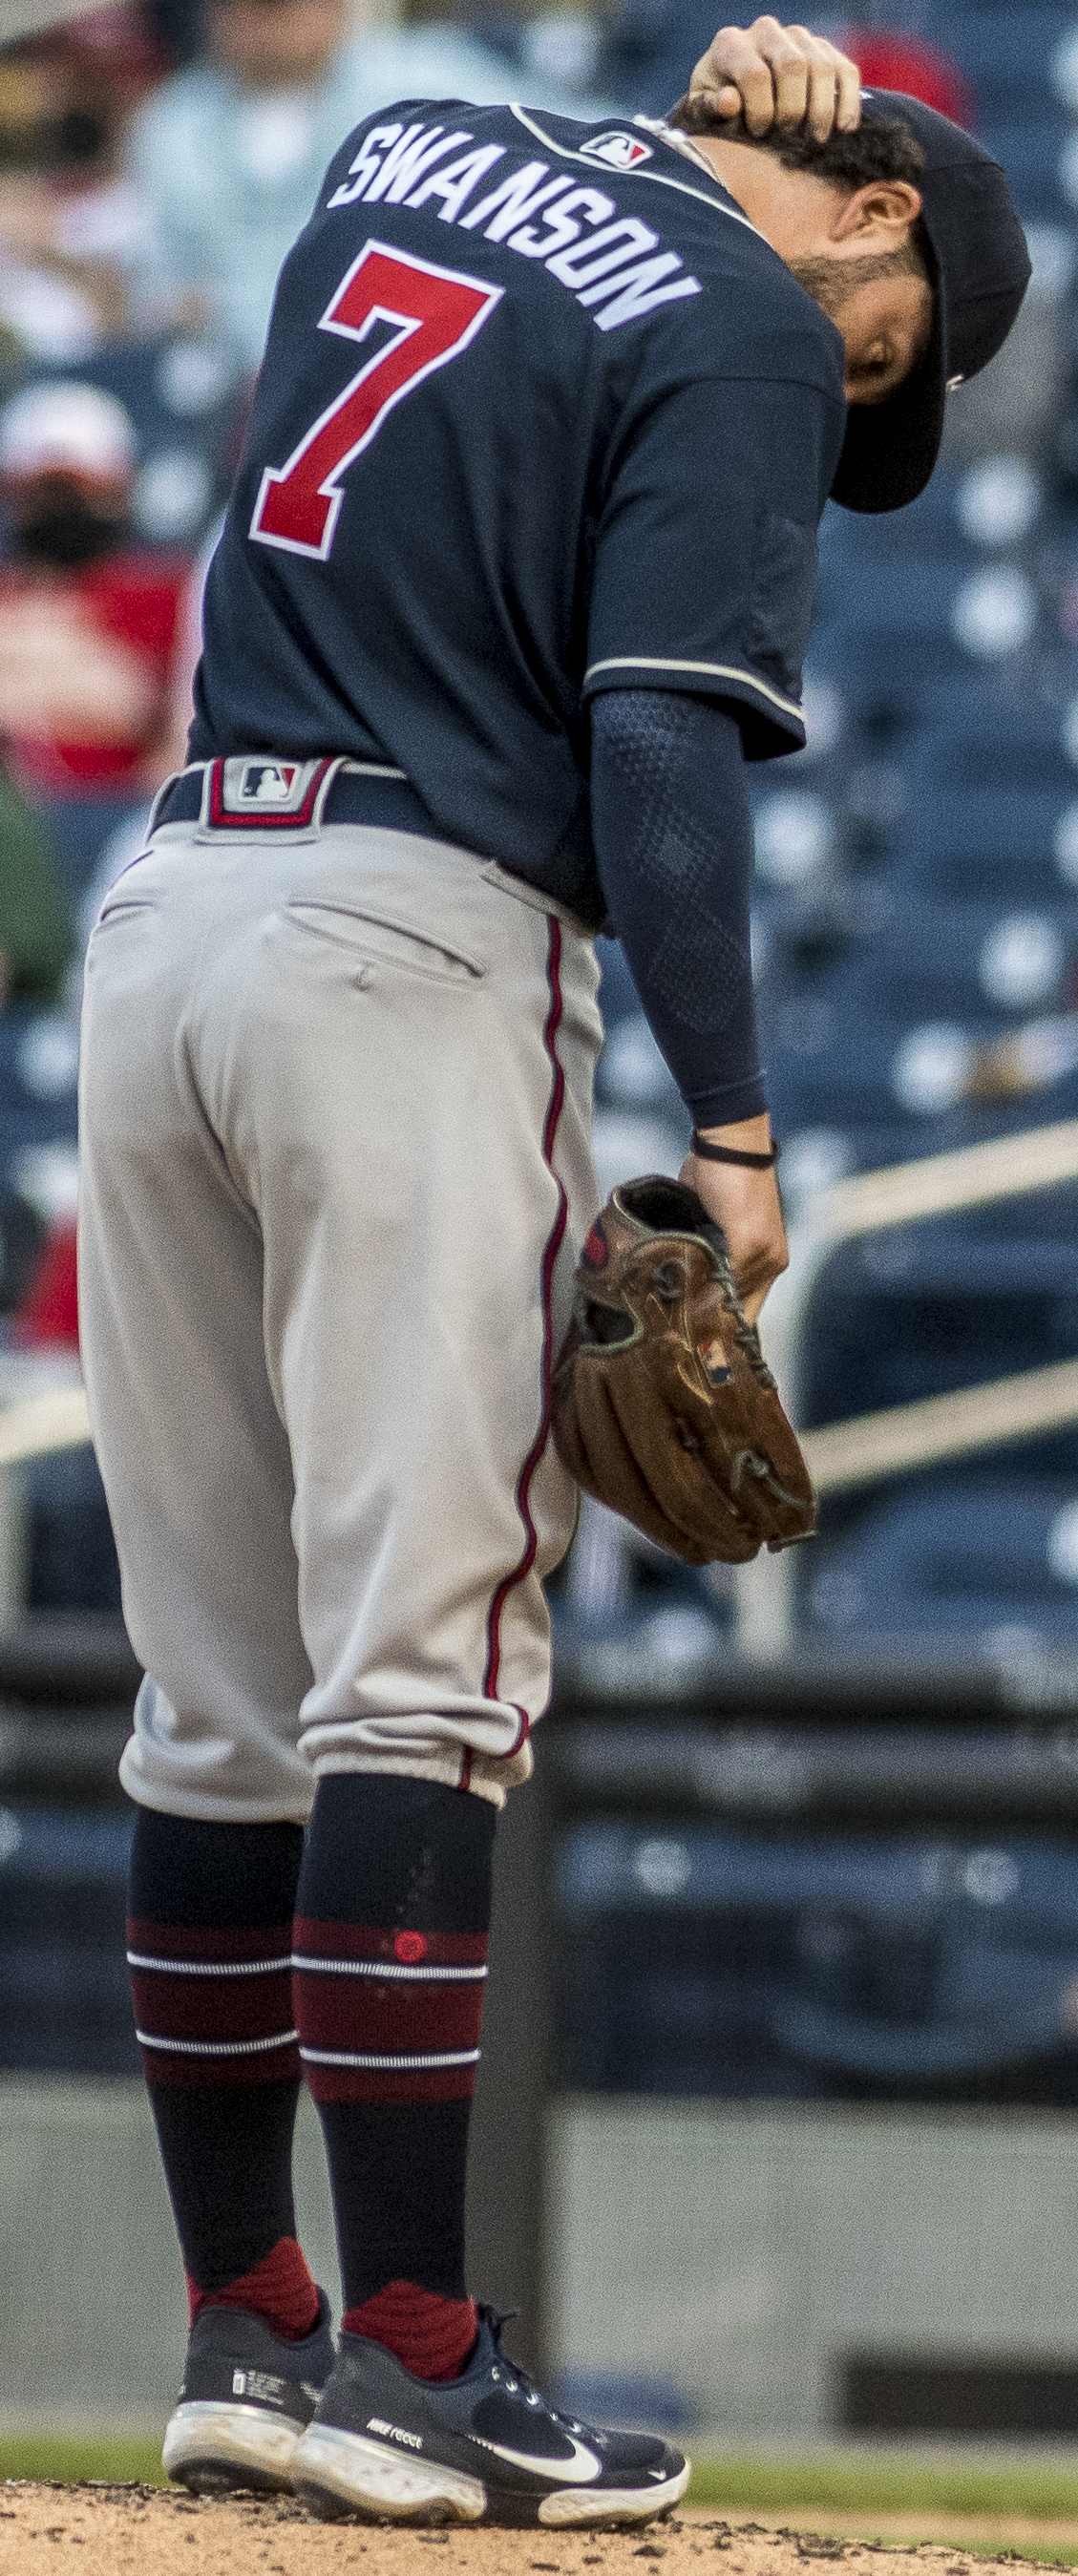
338	2473
343	2473
213	2448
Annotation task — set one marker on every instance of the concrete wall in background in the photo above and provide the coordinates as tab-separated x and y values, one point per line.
93	2316
737	2252
743	2253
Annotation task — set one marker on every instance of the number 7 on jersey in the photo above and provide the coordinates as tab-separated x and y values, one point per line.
433	312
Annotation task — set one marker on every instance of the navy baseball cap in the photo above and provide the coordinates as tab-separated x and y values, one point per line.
981	269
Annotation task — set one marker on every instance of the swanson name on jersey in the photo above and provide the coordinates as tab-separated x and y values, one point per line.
613	264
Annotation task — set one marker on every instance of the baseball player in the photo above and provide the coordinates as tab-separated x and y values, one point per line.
516	577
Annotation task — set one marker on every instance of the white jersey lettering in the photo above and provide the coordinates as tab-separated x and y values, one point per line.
407	160
638	293
608	249
513	200
582	240
455	184
366	163
565	222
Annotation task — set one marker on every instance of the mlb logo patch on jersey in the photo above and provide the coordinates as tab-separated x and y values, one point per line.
620	151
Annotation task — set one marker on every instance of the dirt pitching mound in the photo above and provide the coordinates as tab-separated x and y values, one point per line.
142	2531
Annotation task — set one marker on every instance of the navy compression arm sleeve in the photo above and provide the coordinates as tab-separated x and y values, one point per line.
673	843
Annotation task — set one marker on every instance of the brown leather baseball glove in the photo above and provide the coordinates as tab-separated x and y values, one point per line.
663	1405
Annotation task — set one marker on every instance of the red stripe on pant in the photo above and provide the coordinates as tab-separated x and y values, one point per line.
552	1248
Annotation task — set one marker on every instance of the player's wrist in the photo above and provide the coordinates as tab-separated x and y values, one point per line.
737	1135
743	1198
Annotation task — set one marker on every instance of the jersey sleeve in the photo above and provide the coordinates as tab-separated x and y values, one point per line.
705	564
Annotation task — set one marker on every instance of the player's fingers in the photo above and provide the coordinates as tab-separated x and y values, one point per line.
734	63
746	1204
848	86
789	54
780	75
822	106
834	92
752	1298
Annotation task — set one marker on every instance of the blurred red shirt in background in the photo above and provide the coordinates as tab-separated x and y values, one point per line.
889	60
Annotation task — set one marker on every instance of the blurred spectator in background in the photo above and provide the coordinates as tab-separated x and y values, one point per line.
88	621
35	931
892	59
229	154
69	217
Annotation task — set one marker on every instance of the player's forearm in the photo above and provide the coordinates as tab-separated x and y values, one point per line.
673	842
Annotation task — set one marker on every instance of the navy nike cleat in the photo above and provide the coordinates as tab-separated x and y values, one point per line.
247	2396
484	2447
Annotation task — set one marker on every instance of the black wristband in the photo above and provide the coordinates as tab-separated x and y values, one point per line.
730	1154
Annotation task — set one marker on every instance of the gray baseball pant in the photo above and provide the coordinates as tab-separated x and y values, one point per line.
335	1103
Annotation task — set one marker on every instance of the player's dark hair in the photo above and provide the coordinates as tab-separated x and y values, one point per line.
884	151
874	151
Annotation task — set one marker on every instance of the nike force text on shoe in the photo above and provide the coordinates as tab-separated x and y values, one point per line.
246	2397
484	2447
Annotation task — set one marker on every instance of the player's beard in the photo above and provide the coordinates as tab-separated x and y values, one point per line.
826	280
832	282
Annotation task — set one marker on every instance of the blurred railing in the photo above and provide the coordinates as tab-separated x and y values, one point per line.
873	1446
43	1406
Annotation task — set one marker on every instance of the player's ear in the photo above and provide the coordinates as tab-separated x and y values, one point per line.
884	210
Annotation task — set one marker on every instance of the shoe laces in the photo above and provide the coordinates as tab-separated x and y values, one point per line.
521	2380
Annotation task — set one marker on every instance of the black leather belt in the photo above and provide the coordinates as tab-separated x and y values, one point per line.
354	795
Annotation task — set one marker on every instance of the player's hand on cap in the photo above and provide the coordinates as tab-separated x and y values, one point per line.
746	1204
781	76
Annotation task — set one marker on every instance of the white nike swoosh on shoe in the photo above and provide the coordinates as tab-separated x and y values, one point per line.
576	2472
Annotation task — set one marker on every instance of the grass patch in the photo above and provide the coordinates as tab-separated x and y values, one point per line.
72	2459
886	2485
870	2487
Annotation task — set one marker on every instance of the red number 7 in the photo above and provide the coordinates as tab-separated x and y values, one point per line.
436	312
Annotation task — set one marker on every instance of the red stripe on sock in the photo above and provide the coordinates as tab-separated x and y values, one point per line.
211	2074
196	2028
359	2014
280	2289
432	2336
420	2008
373	2084
326	1940
184	1941
172	2006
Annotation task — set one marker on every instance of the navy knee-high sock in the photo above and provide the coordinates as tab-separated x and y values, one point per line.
209	1944
392	1916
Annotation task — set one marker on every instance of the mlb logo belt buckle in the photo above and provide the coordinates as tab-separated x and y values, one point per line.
254	792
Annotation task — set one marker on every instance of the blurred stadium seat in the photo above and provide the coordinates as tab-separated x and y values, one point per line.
703	1958
64	2000
980	1554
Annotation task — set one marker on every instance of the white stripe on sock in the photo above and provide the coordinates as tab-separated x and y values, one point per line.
210	1967
385	1968
218	2047
390	2065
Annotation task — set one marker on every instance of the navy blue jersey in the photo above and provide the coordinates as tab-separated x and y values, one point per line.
541	414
